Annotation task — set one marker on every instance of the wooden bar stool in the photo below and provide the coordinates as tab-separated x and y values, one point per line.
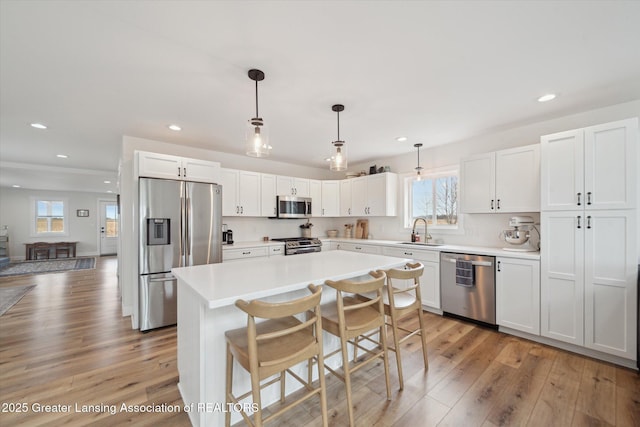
41	250
400	302
273	346
62	248
350	317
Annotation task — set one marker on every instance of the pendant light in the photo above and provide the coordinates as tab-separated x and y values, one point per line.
257	138
338	147
418	168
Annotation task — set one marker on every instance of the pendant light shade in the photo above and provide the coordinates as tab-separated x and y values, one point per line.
257	137
418	168
338	156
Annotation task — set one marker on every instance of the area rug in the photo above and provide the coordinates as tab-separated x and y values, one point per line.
47	266
10	296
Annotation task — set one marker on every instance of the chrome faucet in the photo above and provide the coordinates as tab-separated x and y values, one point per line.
427	236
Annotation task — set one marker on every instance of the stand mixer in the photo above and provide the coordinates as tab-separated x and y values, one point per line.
520	236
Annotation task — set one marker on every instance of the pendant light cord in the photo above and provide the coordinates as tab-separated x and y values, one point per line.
257	99
338	125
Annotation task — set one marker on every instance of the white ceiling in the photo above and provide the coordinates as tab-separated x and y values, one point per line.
436	72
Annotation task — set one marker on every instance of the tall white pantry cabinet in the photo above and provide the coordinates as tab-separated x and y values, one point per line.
589	254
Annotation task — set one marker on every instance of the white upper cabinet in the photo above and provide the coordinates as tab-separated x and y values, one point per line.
345	198
590	168
315	192
374	195
156	165
290	186
477	183
330	198
240	193
502	181
268	195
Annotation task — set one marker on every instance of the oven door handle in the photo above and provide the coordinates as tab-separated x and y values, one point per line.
304	251
474	263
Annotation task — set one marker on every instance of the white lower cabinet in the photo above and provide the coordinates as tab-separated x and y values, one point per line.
430	280
588	289
236	254
518	294
357	247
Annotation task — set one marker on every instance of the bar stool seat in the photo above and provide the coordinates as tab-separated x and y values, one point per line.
272	347
349	318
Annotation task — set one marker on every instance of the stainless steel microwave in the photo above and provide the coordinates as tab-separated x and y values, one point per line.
293	207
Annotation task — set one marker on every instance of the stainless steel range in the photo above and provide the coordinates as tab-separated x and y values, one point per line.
300	245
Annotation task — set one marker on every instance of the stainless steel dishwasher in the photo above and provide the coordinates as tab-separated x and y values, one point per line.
468	286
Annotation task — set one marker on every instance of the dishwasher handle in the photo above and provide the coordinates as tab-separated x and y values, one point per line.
474	263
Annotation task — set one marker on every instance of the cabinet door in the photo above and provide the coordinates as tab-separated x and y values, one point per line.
359	196
430	285
155	165
477	177
249	193
376	195
610	165
230	202
268	195
284	186
518	179
610	282
562	171
518	294
331	198
345	198
315	192
301	187
562	274
200	170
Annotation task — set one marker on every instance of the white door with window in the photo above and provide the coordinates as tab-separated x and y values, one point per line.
108	227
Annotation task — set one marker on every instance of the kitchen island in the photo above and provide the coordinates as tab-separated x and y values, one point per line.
206	297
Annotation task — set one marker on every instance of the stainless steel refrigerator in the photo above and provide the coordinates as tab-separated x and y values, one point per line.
180	225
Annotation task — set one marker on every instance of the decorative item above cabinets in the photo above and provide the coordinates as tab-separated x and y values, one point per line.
502	181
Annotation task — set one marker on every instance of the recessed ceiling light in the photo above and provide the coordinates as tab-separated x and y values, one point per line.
401	138
38	126
109	191
15	186
107	182
328	159
62	156
175	128
547	97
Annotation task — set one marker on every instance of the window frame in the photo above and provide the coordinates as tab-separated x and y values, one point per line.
408	180
34	216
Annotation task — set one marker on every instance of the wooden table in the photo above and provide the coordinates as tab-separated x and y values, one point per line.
29	248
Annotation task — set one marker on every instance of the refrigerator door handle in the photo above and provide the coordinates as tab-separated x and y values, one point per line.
182	225
187	241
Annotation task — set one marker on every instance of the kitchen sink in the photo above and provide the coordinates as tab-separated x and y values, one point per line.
422	244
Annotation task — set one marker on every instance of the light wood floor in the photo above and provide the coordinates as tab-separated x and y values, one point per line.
65	343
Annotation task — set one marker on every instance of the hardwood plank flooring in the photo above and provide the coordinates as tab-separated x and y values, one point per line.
65	343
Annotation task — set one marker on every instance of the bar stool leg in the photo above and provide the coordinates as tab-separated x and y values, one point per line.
347	380
396	343
282	386
229	381
255	391
383	337
423	335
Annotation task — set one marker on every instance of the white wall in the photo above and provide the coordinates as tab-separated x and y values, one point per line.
15	212
482	229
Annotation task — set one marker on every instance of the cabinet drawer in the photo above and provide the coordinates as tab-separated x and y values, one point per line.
417	254
356	247
232	254
276	250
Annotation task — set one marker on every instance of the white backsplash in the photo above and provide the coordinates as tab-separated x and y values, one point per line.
254	229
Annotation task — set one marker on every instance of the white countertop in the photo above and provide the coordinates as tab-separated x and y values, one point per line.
244	245
222	284
476	250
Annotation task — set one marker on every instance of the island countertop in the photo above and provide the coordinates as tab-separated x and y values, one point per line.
222	284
